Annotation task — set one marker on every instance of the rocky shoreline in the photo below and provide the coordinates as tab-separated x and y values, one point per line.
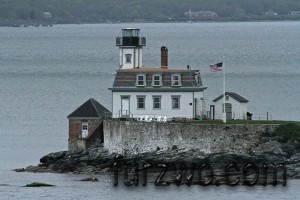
98	161
276	153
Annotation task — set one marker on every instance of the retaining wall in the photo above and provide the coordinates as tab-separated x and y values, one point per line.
137	137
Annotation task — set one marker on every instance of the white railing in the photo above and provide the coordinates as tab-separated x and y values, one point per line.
266	116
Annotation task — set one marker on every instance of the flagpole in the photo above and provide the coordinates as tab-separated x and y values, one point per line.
224	93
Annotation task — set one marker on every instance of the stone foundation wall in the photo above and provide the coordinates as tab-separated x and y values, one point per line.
76	144
138	137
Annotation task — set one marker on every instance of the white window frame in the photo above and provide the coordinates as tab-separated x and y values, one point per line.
173	103
144	102
155	81
174	81
156	97
138	81
84	124
128	58
197	79
84	129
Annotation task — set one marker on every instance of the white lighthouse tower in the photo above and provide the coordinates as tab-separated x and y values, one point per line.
131	48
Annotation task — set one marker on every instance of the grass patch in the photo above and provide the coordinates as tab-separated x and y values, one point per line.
242	122
286	132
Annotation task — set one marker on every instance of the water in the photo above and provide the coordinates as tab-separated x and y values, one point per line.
68	187
46	73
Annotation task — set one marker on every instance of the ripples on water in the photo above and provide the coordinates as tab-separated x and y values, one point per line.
46	73
68	187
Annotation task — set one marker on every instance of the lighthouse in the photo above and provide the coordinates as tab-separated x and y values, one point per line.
131	48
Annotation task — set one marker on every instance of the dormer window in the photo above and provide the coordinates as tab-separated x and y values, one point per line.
141	80
128	58
156	80
176	80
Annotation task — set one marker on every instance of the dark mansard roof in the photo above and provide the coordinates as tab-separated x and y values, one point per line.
126	80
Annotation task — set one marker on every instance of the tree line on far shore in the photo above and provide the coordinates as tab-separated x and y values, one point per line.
93	11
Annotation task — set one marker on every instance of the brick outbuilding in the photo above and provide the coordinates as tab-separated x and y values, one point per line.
86	125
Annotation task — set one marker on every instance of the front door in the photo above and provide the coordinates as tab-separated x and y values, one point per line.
125	107
212	112
228	110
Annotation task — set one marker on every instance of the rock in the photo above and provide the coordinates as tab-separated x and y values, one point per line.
37	184
296	176
273	147
105	170
36	169
294	159
52	156
87	169
297	170
91	179
19	170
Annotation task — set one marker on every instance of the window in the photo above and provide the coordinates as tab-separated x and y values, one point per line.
128	58
156	102
227	97
84	129
141	102
84	126
198	80
141	80
156	80
176	80
175	102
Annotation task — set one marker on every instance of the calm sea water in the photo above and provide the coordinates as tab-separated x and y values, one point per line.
46	73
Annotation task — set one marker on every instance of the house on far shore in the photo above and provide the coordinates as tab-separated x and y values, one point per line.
154	92
86	125
294	13
47	15
236	106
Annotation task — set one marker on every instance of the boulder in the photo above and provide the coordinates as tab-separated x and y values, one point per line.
37	184
296	176
19	170
273	147
294	159
36	169
91	179
52	157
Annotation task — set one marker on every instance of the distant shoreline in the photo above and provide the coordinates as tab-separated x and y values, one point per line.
27	23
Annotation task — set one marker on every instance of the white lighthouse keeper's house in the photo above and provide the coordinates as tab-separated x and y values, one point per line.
161	91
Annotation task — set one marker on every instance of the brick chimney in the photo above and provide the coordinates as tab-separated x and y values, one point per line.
164	57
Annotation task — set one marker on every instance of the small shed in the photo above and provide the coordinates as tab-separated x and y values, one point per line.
86	125
236	106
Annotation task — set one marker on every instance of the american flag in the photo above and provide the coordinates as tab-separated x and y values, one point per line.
216	67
